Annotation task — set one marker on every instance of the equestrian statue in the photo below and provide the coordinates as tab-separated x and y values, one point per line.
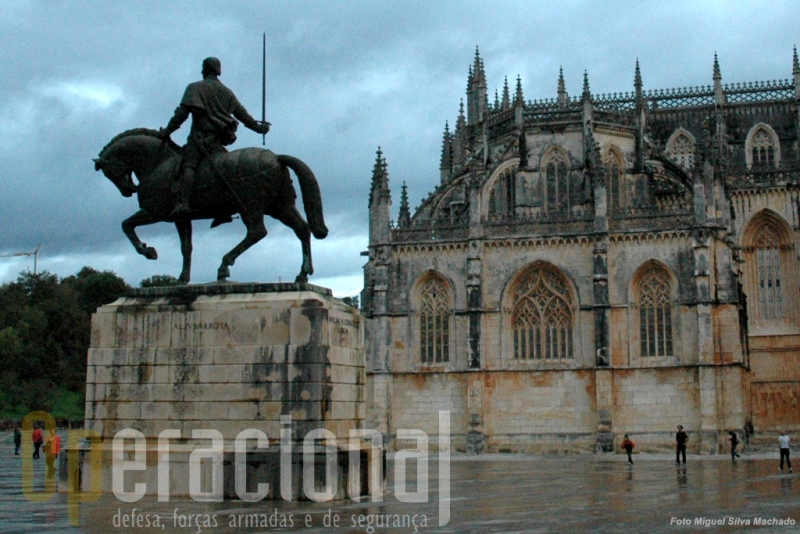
203	180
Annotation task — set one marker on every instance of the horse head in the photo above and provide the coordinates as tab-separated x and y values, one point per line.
134	151
118	172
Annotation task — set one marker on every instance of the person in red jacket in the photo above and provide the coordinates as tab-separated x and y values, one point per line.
52	448
38	439
628	445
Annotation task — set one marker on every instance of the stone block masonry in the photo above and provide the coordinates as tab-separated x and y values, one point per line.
205	355
227	357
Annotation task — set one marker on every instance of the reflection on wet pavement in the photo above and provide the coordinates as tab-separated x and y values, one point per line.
491	493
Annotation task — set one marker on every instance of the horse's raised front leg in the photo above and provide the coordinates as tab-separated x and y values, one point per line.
255	233
140	218
292	218
184	227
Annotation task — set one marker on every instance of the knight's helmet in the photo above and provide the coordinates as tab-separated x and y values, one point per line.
212	64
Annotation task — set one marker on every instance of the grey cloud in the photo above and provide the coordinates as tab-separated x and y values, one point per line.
343	78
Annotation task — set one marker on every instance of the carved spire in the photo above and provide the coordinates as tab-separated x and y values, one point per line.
446	165
796	76
519	104
404	219
477	97
506	103
639	118
478	72
719	96
795	62
460	137
562	89
496	100
588	112
380	203
586	92
380	177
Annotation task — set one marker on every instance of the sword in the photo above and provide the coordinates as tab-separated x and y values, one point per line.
264	87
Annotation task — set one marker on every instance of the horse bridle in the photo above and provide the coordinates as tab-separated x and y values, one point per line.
126	183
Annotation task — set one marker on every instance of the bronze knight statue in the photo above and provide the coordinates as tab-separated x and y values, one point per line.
213	107
252	182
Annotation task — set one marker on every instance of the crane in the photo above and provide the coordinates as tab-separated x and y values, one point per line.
34	253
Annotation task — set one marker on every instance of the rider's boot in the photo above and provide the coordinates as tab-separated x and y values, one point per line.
184	192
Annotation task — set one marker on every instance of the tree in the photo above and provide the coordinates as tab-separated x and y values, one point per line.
97	288
160	280
351	301
44	334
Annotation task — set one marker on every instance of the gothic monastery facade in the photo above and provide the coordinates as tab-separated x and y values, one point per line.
592	266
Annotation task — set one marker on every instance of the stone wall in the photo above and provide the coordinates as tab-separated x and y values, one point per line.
229	357
775	385
226	361
561	411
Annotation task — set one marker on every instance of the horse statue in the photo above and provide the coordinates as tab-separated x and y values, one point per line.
252	182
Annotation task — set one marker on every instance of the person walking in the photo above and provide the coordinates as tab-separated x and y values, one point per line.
628	445
17	439
52	448
681	438
783	441
38	439
734	439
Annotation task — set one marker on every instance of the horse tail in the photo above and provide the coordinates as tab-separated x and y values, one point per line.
309	188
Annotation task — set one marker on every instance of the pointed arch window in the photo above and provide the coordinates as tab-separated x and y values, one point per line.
542	318
434	321
763	149
768	260
556	172
502	199
681	150
655	313
770	270
616	187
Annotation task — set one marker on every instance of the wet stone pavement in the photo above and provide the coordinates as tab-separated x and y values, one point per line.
491	493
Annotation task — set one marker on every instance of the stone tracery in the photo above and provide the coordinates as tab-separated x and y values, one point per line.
681	149
655	313
769	252
434	321
542	318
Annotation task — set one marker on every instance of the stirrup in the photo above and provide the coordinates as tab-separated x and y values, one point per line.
222	219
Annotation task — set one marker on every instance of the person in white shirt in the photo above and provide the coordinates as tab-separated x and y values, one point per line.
783	441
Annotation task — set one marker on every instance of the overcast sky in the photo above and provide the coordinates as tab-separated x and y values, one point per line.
343	77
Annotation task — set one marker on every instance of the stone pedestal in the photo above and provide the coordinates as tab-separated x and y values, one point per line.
227	357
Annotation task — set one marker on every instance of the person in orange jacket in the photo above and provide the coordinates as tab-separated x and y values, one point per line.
52	448
628	445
